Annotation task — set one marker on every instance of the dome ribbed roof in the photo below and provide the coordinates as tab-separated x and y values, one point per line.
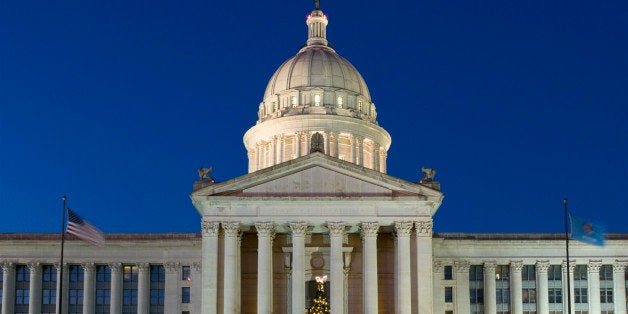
317	66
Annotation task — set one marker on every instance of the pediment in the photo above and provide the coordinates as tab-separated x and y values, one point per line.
316	175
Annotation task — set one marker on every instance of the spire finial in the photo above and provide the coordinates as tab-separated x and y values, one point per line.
317	4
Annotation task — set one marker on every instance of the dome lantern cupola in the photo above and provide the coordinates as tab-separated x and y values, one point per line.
317	94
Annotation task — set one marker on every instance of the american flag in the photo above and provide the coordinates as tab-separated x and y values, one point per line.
84	230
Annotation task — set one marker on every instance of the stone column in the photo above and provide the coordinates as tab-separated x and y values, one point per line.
425	285
462	287
327	143
437	288
403	302
116	288
336	235
542	298
272	151
282	150
238	265
360	148
619	286
34	306
375	156
299	229
252	160
232	230
143	300
209	269
196	294
265	234
516	299
308	142
345	273
490	301
369	237
335	141
171	289
258	156
568	274
352	157
382	161
8	287
593	269
298	143
89	288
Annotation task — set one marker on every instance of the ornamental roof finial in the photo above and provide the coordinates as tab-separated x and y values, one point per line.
317	4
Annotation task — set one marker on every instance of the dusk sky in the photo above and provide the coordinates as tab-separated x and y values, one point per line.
516	104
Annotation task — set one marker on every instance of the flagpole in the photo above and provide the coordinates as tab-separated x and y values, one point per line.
567	251
60	303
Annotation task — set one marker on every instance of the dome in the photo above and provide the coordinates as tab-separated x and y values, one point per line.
317	66
317	101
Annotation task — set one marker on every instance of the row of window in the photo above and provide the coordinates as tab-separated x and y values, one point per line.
528	272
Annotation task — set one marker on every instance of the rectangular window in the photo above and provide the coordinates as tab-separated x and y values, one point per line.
22	274
157	288
580	295
580	273
606	295
76	296
103	296
186	273
476	288
449	294
555	272
448	272
555	295
21	296
129	273
103	273
528	273
49	273
185	295
529	295
129	296
48	296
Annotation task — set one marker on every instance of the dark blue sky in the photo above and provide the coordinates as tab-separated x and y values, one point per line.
517	104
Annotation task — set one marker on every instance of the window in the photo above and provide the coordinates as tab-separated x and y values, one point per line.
317	100
606	295
76	296
274	106
186	273
103	296
449	294
129	288
529	295
528	273
129	296
580	295
360	106
448	272
103	273
554	272
606	272
339	101
185	295
580	273
555	295
48	296
157	288
476	288
21	296
22	273
293	101
49	273
129	273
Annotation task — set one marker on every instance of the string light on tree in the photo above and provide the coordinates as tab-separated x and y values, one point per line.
320	305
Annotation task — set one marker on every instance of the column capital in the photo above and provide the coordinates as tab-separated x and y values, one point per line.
594	266
336	228
171	267
572	266
438	266
115	268
462	266
516	266
403	228
209	228
423	228
619	266
542	266
489	266
8	267
88	267
299	229
232	229
34	267
143	266
369	229
197	266
265	229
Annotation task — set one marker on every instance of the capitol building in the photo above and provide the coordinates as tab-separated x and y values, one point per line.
317	202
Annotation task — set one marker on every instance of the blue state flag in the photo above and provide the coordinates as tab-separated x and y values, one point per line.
587	231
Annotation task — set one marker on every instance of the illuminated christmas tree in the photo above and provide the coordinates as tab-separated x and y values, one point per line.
320	305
